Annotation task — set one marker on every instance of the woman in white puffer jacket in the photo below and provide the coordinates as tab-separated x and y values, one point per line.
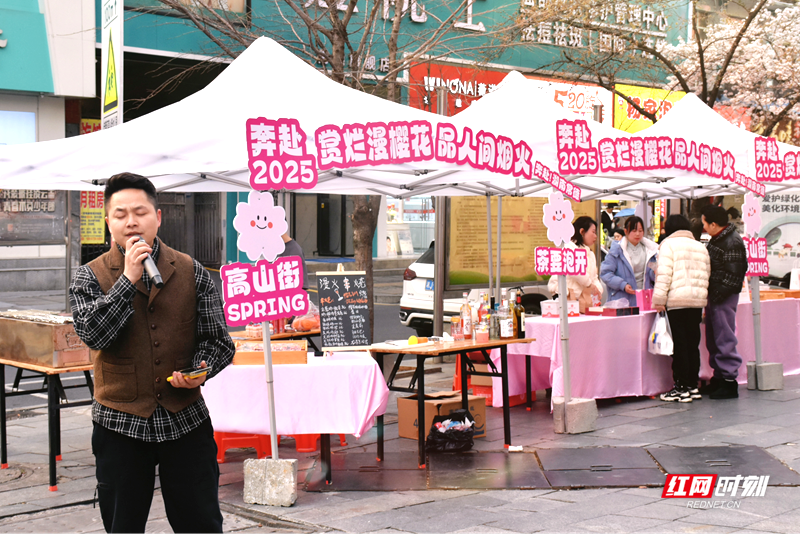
681	289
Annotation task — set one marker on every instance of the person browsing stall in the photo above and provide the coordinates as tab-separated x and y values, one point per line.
582	287
728	269
145	412
681	290
627	266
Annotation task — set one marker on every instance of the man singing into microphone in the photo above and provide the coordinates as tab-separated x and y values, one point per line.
141	335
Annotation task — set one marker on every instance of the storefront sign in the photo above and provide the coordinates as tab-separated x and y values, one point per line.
656	101
264	291
578	155
89	126
93	226
563	261
579	98
464	85
32	217
639	21
276	154
112	23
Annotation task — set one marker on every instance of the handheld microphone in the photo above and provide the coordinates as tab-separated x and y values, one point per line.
152	270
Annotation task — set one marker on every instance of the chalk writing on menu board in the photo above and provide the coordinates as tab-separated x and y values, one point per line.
344	310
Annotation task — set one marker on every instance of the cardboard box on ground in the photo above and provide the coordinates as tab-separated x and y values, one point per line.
440	403
478	380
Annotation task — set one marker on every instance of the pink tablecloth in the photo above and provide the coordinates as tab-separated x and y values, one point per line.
341	394
609	358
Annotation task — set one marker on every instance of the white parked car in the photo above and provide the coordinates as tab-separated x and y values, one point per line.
416	303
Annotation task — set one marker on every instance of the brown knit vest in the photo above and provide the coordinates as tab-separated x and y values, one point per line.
159	338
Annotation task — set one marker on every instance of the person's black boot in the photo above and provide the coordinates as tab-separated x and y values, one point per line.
711	387
728	389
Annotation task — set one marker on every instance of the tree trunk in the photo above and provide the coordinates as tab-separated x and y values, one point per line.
365	219
338	59
392	93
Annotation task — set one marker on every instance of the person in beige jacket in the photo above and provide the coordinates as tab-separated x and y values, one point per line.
582	287
681	289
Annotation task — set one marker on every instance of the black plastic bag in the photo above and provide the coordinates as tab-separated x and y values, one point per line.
451	440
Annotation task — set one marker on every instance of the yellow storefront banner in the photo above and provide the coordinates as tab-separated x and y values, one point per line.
522	232
657	101
93	225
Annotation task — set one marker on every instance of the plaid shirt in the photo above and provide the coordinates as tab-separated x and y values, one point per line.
100	317
728	264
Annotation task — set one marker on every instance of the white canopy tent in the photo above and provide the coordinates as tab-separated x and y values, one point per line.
198	144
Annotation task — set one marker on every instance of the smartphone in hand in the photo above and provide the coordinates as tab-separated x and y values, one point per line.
193	373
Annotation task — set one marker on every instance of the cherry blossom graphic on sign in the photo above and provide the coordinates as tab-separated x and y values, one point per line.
260	224
751	214
557	219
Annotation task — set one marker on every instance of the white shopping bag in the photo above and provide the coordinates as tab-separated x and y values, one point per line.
660	340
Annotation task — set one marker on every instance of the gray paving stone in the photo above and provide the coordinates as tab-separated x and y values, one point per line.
659	510
609	420
624	431
745	429
377	521
517	494
725	518
618	523
767	439
783	420
531	505
577	496
344	510
688	528
451	520
480	529
525	522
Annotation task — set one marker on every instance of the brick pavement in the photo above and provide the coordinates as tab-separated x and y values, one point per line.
767	419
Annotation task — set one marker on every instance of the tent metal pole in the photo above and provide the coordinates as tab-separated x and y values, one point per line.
755	293
563	314
599	229
499	244
68	269
438	267
273	429
489	241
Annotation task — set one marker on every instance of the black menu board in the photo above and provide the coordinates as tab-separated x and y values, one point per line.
344	310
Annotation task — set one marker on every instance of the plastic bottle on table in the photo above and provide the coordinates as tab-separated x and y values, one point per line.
505	321
466	317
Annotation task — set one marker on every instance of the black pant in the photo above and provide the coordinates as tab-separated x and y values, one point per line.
126	472
685	326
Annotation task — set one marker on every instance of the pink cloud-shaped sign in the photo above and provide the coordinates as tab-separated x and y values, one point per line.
557	219
260	224
751	214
